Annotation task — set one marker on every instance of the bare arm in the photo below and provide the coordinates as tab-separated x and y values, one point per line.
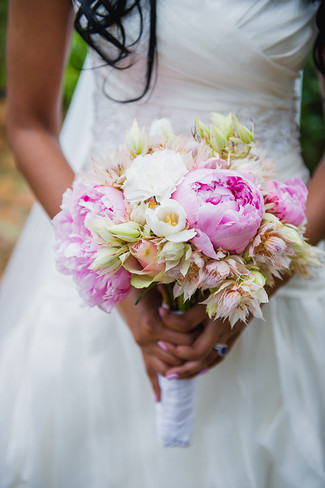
39	33
38	38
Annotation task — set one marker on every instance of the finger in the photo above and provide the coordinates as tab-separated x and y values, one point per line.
214	331
202	355
201	347
191	368
177	338
212	361
158	365
172	348
152	330
160	351
184	322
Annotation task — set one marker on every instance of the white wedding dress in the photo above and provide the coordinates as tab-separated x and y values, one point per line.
76	407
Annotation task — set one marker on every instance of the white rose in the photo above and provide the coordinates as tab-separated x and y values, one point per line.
154	175
169	220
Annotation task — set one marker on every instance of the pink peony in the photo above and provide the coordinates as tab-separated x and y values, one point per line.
224	208
287	200
103	291
76	248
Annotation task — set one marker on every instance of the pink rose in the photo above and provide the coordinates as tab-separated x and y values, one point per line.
146	253
76	249
287	200
224	208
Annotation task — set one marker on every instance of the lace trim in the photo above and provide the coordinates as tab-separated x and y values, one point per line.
276	130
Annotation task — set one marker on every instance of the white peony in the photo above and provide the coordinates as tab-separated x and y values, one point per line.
154	175
169	220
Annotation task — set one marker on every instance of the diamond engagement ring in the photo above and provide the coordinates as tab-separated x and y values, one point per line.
221	349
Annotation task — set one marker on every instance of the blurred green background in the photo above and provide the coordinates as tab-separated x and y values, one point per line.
16	198
312	120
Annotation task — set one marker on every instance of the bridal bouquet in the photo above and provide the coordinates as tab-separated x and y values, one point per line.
201	215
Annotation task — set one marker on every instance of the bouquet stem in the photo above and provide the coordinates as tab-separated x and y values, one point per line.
175	412
176	305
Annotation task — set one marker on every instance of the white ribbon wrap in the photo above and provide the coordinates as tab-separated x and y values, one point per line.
175	412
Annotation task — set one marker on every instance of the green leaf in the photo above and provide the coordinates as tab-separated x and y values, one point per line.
142	281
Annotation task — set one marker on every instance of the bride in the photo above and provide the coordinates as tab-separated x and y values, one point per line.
76	406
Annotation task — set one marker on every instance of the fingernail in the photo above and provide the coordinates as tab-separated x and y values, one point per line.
172	376
156	398
204	371
162	345
160	311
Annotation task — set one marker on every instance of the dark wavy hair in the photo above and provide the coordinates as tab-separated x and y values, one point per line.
104	19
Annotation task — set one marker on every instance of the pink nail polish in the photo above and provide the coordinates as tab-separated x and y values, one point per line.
156	398
162	345
160	311
204	371
172	376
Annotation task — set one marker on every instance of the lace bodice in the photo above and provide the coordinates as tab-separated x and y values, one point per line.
243	56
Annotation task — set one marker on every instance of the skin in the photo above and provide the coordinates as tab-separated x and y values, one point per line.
39	33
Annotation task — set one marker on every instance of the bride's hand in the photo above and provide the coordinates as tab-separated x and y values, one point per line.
200	356
151	335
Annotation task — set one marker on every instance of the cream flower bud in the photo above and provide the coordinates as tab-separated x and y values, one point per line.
129	231
227	124
291	236
138	213
136	140
259	278
107	257
201	129
99	225
217	119
217	139
245	134
160	128
172	251
268	217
